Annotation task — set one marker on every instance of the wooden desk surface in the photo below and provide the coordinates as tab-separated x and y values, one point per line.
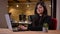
7	31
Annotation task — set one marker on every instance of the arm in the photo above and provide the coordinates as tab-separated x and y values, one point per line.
32	26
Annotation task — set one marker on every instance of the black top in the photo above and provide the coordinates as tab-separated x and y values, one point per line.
37	22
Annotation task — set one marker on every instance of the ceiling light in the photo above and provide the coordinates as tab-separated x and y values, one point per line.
17	5
28	5
49	5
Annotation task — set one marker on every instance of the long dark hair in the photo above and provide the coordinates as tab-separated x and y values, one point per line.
43	5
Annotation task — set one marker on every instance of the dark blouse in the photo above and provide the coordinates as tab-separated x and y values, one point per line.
38	21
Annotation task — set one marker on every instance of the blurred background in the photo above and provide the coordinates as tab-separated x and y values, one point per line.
25	7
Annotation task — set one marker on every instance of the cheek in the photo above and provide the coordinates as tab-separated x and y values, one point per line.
42	9
38	12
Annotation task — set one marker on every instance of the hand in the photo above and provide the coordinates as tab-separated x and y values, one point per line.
22	27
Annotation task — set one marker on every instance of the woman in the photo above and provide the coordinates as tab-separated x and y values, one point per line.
39	18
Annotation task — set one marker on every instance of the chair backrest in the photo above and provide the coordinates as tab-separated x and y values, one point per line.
54	20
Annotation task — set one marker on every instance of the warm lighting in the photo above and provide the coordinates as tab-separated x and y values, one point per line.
17	5
49	5
28	5
15	21
26	21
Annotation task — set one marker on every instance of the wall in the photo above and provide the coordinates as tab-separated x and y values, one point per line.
3	11
48	3
58	14
16	11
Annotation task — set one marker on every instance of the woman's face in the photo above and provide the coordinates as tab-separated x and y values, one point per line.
40	9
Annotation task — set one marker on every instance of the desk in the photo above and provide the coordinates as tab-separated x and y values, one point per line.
7	31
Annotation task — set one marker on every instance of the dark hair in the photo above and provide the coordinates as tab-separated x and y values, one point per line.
43	5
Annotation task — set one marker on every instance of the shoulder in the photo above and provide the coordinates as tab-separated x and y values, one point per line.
48	17
33	16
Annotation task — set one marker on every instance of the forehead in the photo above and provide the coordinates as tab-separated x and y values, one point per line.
39	5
